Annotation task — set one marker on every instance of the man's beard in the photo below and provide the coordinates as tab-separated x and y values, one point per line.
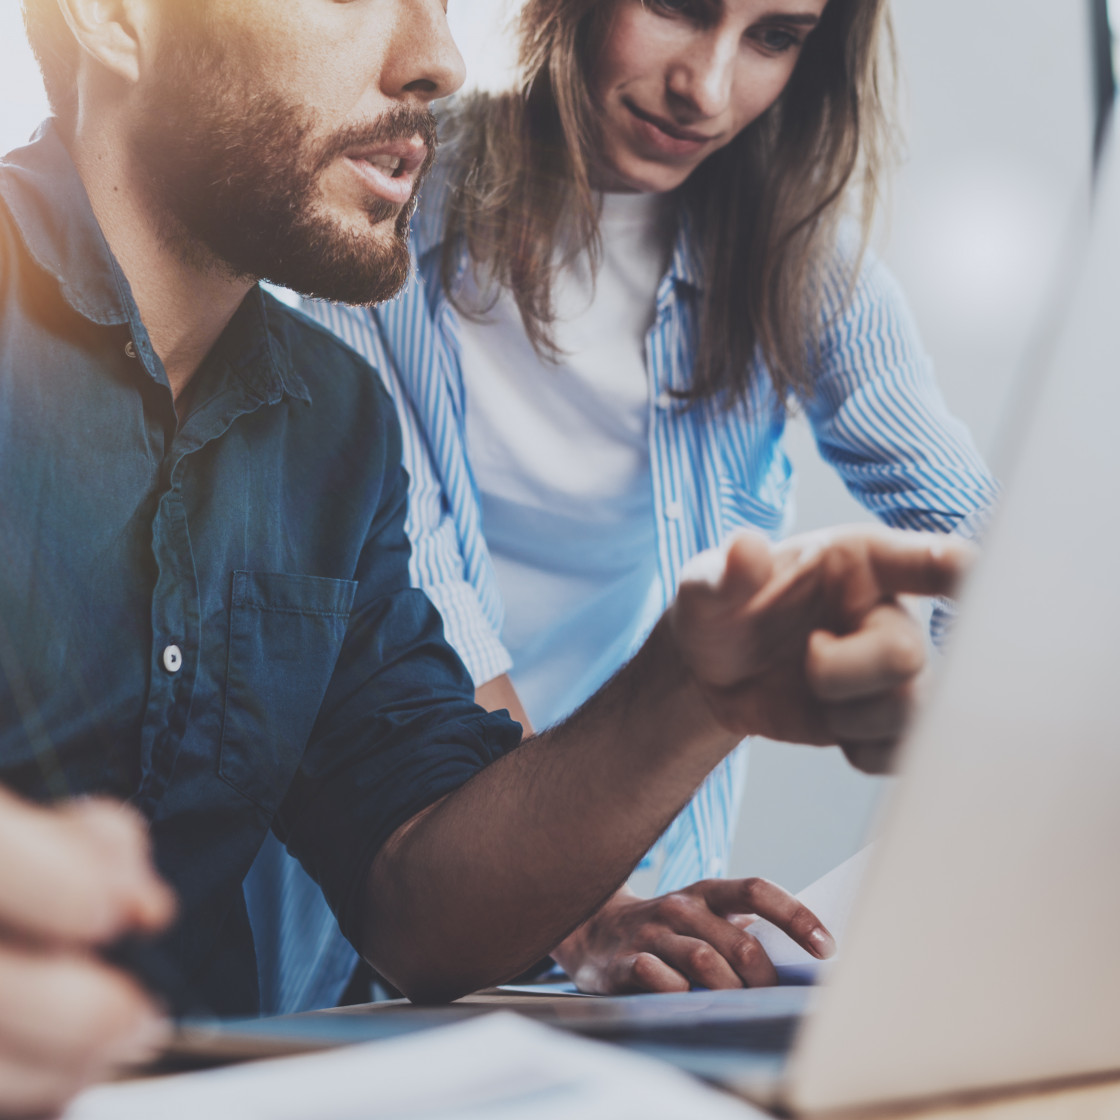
233	173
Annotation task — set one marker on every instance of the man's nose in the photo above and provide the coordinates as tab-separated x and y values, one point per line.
423	59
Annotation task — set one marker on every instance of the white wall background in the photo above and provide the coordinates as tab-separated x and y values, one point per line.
22	101
998	124
999	134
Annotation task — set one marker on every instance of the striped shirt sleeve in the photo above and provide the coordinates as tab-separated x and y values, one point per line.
436	565
879	417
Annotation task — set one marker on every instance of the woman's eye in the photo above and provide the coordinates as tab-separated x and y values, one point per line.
777	41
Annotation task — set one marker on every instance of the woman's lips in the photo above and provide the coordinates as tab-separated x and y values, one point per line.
665	136
389	170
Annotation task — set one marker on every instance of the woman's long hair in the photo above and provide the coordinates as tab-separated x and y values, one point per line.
765	206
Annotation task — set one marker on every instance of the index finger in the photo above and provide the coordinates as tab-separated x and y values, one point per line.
918	563
775	904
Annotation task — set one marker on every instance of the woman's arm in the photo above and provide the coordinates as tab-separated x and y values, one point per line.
498	694
879	417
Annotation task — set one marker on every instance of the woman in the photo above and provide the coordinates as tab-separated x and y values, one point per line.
629	270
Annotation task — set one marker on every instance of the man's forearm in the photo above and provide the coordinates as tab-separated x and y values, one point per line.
490	879
807	642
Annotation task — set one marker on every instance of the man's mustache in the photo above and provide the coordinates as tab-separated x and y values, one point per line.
399	123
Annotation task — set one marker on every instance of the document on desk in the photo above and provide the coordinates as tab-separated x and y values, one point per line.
496	1067
831	898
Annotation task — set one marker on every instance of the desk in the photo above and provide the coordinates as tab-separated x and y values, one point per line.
1095	1101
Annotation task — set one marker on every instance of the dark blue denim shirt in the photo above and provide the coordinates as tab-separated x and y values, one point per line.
212	617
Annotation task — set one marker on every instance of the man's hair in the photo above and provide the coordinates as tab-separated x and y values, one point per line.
56	51
765	206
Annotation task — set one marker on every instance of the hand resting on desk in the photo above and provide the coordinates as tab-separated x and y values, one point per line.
696	936
72	879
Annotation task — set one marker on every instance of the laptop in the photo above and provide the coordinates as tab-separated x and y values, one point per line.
981	952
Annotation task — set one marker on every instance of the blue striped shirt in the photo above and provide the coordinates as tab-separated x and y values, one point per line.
877	415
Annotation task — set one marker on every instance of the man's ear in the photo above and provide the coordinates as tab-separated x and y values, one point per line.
114	33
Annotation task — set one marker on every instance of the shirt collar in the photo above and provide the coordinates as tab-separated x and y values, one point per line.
276	357
51	210
685	263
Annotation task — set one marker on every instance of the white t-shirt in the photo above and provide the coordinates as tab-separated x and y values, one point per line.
560	453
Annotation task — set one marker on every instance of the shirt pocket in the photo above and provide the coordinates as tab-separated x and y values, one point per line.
285	635
756	493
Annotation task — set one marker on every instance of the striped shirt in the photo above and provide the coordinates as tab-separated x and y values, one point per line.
877	415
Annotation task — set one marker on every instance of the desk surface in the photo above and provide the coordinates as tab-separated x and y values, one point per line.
1093	1101
1096	1101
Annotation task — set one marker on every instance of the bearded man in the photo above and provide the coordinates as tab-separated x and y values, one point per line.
204	597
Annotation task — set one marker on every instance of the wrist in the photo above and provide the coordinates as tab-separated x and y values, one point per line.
572	953
683	699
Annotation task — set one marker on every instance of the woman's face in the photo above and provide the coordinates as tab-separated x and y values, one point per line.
675	80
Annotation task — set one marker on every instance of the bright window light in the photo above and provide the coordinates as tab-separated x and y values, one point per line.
23	104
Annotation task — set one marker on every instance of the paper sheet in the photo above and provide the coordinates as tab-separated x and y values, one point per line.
497	1067
831	898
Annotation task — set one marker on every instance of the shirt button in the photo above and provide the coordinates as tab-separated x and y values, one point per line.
130	350
172	659
665	400
674	511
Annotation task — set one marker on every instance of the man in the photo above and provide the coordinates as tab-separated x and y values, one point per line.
204	600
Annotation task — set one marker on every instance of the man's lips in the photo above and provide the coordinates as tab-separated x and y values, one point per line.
666	135
389	170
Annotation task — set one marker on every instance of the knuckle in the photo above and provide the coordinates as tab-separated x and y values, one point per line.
745	953
676	906
702	958
755	886
645	970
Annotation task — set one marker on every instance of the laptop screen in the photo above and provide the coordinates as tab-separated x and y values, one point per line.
1105	22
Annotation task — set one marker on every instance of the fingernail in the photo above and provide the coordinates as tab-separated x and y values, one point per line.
822	943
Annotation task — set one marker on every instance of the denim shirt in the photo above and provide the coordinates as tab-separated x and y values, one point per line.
210	617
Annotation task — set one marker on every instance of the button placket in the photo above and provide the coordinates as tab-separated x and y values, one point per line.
175	628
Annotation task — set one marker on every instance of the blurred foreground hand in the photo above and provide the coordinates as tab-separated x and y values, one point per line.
811	641
72	878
